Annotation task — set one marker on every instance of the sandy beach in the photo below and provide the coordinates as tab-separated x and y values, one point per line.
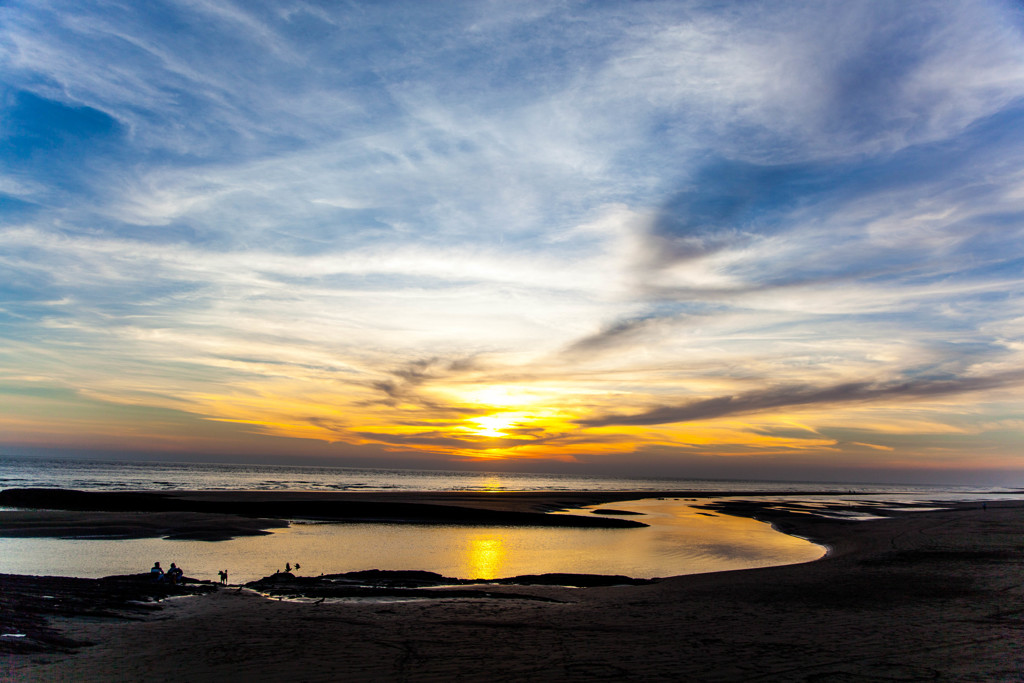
922	595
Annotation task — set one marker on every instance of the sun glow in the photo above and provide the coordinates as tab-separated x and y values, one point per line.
496	425
501	395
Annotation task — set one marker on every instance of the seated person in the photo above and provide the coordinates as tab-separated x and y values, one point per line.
175	574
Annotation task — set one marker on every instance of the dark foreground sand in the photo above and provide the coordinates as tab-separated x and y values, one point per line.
921	596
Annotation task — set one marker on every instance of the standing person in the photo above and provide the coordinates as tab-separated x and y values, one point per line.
157	572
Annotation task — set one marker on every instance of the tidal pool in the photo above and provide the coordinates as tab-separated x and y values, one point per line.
679	540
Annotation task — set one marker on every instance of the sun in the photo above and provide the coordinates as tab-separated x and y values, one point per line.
496	425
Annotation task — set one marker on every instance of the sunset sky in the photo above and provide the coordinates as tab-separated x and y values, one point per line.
713	239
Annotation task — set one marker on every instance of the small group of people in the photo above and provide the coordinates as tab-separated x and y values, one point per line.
174	575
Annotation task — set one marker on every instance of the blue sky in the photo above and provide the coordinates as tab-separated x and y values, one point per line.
741	239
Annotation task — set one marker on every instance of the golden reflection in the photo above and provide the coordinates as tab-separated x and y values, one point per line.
485	556
491	484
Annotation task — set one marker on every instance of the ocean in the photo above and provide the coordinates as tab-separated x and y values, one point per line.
97	475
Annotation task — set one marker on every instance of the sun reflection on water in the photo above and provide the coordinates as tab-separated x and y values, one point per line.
679	540
492	483
485	556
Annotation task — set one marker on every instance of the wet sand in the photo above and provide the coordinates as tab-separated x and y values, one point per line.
917	596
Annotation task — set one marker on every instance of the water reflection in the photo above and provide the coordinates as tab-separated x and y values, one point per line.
492	483
679	540
484	557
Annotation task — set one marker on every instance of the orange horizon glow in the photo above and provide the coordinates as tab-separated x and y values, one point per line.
509	422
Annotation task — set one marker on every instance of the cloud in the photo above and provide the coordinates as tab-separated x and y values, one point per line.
728	204
444	440
330	219
402	387
613	335
793	396
790	81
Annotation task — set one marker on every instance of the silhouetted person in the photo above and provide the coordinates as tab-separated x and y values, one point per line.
223	575
287	566
175	574
157	572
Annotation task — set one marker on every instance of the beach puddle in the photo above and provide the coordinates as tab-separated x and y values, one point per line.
678	540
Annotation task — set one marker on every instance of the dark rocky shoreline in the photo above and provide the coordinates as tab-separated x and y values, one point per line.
420	584
30	605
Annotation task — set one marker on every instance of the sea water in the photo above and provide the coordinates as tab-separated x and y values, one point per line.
680	539
96	475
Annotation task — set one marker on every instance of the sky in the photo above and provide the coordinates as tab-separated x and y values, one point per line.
701	238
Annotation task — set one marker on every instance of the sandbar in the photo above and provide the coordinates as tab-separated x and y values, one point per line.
217	515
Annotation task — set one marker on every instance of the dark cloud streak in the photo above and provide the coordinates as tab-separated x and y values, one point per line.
406	380
802	395
614	335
